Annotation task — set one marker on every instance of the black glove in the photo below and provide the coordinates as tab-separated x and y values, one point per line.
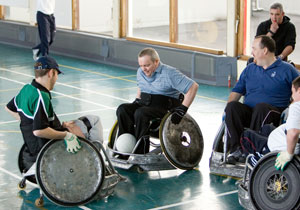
178	114
136	101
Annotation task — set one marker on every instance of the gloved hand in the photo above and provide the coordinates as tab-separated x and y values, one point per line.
136	101
178	113
282	159
72	143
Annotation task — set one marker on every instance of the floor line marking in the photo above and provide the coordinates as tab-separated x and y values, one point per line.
103	94
59	115
94	72
16	176
70	86
100	79
11	89
191	201
68	96
32	184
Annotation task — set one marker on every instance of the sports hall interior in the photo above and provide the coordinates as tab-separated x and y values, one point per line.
96	46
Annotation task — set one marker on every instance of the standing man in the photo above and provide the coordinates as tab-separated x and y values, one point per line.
33	107
266	87
159	89
46	26
280	29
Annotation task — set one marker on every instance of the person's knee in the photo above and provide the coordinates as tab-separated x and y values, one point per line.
260	107
121	109
231	106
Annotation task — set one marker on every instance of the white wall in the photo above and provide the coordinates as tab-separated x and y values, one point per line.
289	6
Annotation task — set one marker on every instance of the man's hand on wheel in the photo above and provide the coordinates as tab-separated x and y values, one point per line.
282	159
72	143
178	114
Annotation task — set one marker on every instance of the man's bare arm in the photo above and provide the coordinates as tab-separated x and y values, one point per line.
234	96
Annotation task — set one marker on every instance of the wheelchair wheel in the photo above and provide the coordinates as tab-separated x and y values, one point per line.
182	144
24	166
70	179
113	134
273	189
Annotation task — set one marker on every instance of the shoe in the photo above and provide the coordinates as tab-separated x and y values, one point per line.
242	158
35	53
231	159
234	157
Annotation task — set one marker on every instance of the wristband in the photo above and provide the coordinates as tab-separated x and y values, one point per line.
271	32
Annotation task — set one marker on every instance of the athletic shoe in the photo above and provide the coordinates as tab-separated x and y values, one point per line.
35	54
234	157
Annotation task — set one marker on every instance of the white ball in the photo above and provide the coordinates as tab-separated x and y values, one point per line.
125	143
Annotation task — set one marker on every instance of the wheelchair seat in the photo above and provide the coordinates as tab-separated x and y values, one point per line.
178	146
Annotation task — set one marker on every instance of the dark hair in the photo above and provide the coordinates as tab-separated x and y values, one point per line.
268	42
296	83
277	6
150	52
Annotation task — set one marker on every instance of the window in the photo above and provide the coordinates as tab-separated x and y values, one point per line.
148	19
96	16
202	23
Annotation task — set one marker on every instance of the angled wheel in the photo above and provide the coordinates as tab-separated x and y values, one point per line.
70	179
113	135
182	144
273	189
24	163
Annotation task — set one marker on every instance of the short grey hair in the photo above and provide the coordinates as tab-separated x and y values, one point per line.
150	52
277	6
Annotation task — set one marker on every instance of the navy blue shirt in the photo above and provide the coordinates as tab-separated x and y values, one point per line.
272	85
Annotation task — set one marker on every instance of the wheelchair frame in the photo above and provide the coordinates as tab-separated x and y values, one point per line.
217	160
155	160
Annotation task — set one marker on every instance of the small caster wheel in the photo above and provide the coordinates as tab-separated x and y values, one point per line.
140	170
22	185
39	202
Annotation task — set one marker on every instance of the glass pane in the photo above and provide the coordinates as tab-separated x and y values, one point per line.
260	13
96	16
63	14
17	14
202	23
149	19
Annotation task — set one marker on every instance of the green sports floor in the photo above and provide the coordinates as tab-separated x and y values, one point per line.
93	88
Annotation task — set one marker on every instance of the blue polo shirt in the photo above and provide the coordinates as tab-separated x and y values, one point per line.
166	80
272	85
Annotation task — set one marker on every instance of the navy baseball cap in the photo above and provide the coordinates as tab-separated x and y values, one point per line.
46	62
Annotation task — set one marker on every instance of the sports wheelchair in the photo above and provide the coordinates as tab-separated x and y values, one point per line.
217	160
70	179
179	146
264	187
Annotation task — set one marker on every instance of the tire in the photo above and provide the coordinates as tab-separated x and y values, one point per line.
70	179
274	189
